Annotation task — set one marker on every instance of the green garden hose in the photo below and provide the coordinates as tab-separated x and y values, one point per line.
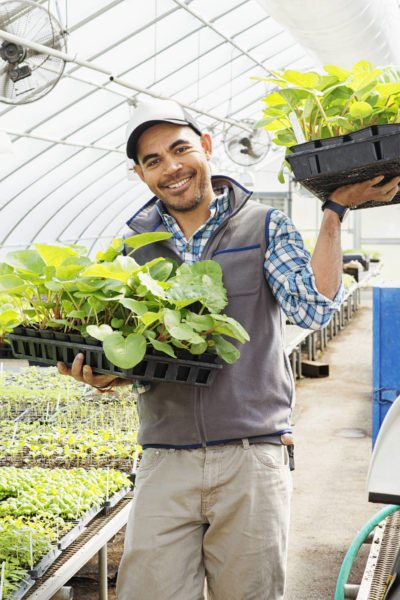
355	546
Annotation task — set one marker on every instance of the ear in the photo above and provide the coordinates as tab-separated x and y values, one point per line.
206	144
138	170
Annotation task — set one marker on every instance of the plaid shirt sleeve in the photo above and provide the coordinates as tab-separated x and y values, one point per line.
288	271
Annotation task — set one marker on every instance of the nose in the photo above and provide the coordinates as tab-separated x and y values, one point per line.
172	164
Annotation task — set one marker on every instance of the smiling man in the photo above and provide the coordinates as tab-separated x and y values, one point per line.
213	487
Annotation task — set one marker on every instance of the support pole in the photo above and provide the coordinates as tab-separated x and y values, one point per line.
103	582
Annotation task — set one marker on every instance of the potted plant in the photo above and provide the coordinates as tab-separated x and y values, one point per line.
121	314
346	120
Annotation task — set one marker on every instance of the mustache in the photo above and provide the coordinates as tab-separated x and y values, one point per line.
176	179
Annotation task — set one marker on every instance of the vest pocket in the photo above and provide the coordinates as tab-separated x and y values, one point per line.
242	269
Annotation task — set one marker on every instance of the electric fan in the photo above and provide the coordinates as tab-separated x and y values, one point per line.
246	148
27	75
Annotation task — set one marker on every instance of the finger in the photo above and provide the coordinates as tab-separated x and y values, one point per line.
96	380
389	195
390	185
76	368
373	181
63	369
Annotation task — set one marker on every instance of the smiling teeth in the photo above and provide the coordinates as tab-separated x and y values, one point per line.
179	184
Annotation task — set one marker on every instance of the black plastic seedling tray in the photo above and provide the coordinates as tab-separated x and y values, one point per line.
42	347
24	586
45	563
323	165
5	351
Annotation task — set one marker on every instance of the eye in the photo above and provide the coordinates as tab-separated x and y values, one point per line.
153	162
182	149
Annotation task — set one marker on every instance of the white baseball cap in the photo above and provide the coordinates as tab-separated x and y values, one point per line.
150	113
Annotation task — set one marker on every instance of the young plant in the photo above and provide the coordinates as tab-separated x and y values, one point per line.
127	306
334	103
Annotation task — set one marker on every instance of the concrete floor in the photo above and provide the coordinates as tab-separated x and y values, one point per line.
330	502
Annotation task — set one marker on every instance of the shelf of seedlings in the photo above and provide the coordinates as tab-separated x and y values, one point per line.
301	341
66	453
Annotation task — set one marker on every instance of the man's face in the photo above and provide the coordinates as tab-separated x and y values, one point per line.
173	162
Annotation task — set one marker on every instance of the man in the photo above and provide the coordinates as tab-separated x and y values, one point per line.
213	487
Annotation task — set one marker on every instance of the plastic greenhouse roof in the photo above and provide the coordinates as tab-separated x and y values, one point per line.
67	178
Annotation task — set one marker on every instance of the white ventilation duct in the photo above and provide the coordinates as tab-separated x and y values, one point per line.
342	32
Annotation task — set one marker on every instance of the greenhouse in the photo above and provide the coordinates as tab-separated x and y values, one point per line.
199	300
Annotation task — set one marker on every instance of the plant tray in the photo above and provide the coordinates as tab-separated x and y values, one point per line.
25	585
36	345
45	562
71	535
113	501
323	165
5	351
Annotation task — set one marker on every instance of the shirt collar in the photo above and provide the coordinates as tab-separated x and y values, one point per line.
218	207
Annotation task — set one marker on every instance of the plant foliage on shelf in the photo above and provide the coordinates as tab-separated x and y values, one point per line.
127	306
334	103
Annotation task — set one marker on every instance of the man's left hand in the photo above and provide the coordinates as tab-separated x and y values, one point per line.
358	193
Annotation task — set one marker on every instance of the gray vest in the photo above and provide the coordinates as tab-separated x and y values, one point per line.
255	395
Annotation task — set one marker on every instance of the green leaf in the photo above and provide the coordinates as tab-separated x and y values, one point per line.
360	109
138	308
5	269
89	284
54	256
178	330
274	99
163	269
308	107
12	283
142	239
124	352
95	303
121	269
225	349
117	323
68	272
230	326
178	344
202	280
341	74
53	286
308	80
100	333
115	248
388	89
77	314
151	285
26	260
163	347
199	322
151	317
199	348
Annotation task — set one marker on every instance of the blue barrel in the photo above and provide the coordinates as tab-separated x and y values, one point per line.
386	351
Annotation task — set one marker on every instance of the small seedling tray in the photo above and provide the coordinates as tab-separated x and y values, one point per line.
31	344
104	508
25	585
113	501
323	165
5	351
45	562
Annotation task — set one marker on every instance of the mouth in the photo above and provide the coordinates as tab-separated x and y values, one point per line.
178	185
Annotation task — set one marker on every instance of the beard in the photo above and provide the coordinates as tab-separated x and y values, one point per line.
193	201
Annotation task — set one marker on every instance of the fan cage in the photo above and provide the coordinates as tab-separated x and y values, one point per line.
35	74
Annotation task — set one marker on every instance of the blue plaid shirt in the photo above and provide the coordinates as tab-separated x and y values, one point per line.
287	262
287	265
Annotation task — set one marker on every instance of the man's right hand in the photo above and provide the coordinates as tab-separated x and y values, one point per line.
84	374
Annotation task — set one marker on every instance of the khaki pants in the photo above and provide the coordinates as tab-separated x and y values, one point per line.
220	512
